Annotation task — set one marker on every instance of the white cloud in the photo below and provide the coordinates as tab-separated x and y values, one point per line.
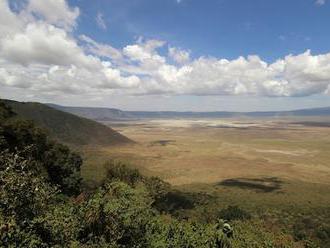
300	75
40	55
44	44
178	55
142	58
56	12
100	21
9	22
100	50
320	2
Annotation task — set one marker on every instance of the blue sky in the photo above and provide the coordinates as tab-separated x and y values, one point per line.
220	28
200	55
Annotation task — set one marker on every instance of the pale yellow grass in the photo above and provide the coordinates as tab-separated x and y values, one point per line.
210	151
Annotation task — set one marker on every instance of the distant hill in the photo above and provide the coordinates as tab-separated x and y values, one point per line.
109	114
67	127
99	114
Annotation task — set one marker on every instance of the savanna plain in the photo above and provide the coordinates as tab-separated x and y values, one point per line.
214	151
276	168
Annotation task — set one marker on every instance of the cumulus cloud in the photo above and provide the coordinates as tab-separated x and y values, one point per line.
39	53
45	44
144	55
178	55
56	12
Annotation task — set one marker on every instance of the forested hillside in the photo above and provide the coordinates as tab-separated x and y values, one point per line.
67	127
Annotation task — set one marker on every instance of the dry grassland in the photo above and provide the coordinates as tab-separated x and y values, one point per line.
211	151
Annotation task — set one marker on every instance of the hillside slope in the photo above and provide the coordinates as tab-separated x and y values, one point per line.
67	127
100	114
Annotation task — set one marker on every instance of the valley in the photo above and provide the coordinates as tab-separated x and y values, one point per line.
164	124
269	176
188	151
276	169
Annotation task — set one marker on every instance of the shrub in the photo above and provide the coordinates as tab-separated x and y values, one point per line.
117	170
118	214
25	196
62	166
234	213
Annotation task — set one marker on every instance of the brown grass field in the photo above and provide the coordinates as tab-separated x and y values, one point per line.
257	163
211	151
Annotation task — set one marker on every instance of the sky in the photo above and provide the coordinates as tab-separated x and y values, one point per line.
182	55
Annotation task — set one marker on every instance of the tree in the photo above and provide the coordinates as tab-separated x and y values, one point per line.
63	168
118	214
25	196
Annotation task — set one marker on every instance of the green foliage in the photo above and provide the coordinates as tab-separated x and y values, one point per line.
23	191
5	111
32	214
25	195
61	166
323	232
119	171
175	233
157	188
19	134
234	213
307	228
118	214
63	223
253	234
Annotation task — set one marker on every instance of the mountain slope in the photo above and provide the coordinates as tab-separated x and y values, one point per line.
67	127
100	114
108	114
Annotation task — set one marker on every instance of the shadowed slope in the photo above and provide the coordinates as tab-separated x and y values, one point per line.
67	127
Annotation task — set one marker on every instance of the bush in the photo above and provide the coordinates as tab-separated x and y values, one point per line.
118	214
62	167
323	232
234	213
117	170
173	233
5	111
25	196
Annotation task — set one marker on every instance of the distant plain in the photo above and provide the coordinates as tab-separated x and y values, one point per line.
277	168
186	151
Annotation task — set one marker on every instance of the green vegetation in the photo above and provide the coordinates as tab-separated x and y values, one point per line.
43	203
234	213
56	161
